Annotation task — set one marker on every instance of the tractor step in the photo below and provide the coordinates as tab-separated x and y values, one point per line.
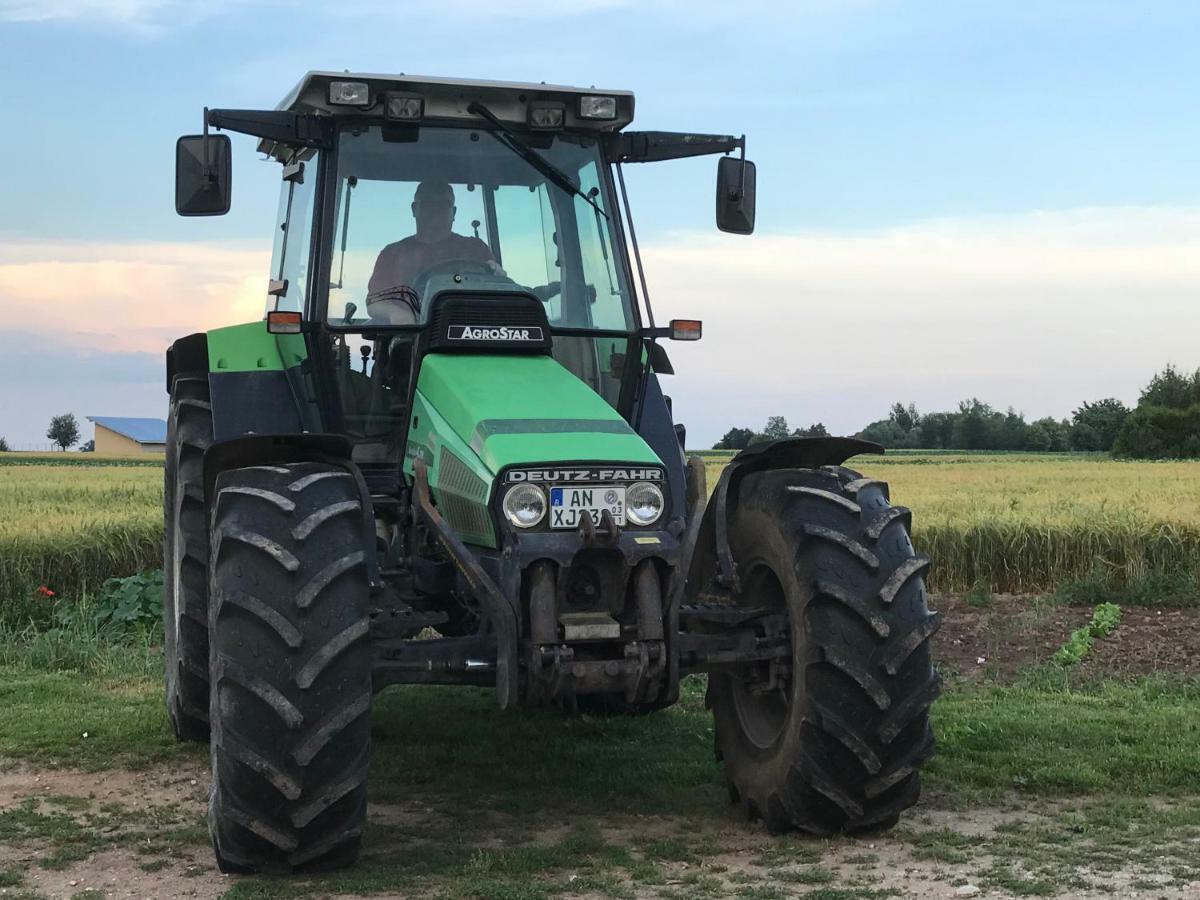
593	626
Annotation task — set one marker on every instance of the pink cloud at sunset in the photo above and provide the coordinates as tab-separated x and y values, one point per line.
128	297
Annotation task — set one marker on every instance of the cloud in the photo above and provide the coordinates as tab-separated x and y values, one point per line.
148	18
1040	311
128	297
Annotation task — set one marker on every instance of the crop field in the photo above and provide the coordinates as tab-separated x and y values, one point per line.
69	525
1028	523
1001	522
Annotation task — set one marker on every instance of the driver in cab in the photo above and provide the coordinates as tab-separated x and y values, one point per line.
391	296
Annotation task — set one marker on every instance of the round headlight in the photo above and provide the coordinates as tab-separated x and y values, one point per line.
525	505
643	503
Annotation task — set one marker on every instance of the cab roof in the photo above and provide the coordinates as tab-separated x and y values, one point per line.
448	98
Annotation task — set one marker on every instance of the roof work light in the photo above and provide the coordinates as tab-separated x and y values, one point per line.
404	107
594	107
349	93
546	115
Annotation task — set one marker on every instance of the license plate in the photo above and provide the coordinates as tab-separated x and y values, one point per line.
568	505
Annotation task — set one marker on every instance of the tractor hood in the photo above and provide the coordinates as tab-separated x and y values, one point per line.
474	415
512	410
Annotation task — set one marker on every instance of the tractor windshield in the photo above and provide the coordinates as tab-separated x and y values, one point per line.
418	211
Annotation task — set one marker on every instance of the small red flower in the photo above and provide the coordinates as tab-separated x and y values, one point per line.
44	591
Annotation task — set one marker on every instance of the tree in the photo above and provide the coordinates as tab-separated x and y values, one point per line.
885	432
973	429
936	431
1159	432
63	430
735	439
1013	433
1166	422
1098	423
777	428
1171	390
906	417
817	430
3	445
1037	438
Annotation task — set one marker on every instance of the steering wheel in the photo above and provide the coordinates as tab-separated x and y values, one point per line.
460	266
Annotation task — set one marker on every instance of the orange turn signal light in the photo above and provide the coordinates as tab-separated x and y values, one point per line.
283	322
686	329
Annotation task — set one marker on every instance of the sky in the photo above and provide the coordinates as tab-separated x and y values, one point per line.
955	199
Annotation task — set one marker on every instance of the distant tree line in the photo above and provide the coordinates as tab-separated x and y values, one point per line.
977	426
776	428
1165	424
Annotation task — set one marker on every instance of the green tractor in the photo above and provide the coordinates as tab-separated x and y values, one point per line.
444	456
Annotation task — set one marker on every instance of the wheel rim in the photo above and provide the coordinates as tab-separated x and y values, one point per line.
761	714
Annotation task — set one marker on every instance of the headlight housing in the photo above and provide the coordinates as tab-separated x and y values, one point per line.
524	505
643	503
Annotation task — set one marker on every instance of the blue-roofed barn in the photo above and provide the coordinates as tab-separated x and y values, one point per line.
117	436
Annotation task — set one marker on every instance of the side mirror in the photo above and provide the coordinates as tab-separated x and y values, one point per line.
735	195
203	175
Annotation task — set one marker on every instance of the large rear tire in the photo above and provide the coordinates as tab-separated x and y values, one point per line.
185	559
838	746
291	669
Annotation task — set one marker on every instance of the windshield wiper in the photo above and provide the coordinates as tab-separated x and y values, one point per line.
531	156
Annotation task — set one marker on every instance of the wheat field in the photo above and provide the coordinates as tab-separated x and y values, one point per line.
1021	523
69	526
1028	522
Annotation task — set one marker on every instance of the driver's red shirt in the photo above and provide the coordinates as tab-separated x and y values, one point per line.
400	263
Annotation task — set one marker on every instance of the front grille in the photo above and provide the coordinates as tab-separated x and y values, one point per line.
462	498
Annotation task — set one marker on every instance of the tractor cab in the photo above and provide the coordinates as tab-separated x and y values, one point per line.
398	190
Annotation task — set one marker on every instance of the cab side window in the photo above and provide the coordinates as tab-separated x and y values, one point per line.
293	233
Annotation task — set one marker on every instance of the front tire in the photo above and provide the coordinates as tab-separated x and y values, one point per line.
291	669
837	747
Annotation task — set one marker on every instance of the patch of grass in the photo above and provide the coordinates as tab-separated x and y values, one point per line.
67	837
1176	587
941	844
45	715
979	596
10	878
1003	877
1044	736
812	875
83	646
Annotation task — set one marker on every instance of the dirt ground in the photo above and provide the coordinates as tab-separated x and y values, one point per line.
740	858
1012	633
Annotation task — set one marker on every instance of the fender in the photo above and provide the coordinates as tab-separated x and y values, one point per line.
710	573
268	449
188	355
